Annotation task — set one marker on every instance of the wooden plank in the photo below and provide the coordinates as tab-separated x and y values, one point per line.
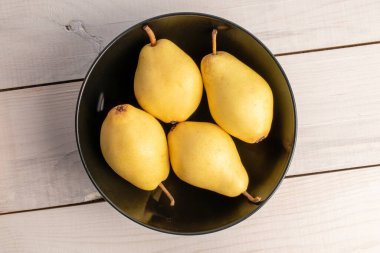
48	41
334	212
338	98
338	103
40	165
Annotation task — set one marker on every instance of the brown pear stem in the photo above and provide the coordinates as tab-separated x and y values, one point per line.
251	198
213	36
151	35
168	194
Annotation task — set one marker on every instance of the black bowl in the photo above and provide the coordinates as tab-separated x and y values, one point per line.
109	82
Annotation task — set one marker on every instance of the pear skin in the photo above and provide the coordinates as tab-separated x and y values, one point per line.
240	100
134	145
204	155
168	83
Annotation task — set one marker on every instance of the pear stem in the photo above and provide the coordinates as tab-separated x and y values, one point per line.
168	194
251	198
151	35
213	36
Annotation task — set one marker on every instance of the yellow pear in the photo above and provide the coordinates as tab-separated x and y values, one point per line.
240	100
168	83
134	145
204	155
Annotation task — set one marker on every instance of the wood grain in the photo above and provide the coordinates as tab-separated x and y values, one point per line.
338	100
48	41
338	104
334	212
40	165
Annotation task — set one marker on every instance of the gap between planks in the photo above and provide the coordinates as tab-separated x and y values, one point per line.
276	55
329	213
328	48
102	200
41	85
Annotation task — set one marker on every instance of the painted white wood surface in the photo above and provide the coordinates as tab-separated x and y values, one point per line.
36	47
338	98
333	212
40	164
338	104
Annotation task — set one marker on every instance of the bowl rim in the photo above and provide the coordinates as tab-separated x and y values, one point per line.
140	24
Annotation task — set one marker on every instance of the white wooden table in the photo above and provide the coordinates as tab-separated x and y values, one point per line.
330	200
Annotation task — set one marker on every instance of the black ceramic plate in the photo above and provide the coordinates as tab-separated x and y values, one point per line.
109	82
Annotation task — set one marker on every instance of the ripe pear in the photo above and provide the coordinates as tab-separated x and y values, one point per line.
134	145
240	100
168	83
204	155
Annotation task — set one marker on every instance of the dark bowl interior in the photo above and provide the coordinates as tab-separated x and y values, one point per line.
109	82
